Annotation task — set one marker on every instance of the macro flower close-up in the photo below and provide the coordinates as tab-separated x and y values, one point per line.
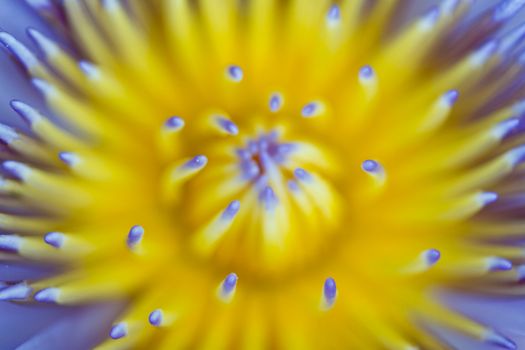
262	174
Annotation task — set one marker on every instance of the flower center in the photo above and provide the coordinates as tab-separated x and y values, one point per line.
260	201
263	155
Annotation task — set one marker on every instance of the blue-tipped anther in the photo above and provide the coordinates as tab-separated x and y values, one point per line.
48	295
450	97
15	169
518	108
310	110
235	73
229	283
494	338
293	186
430	18
89	69
135	235
26	112
504	128
68	158
449	6
7	134
512	39
302	175
174	123
110	5
481	55
250	169
231	210
507	9
155	317
43	86
432	256
119	330
40	40
55	239
18	50
366	72
499	264
41	5
197	162
10	243
334	13
520	273
488	197
227	125
516	155
268	198
329	291
276	102
19	291
371	166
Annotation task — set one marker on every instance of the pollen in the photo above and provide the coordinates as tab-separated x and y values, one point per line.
268	174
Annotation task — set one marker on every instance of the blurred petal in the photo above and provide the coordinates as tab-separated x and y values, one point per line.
15	18
84	327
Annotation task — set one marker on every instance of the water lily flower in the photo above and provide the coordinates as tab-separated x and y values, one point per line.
262	174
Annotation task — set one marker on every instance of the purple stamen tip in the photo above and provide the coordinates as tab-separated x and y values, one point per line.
507	9
89	69
68	158
41	5
268	198
15	169
276	102
334	13
174	123
232	209
520	272
293	186
309	110
302	175
54	239
227	125
7	134
449	6
48	295
481	55
491	337
18	50
451	96
135	235
120	330
10	243
197	162
488	197
155	317
366	72
235	73
27	113
500	264
18	291
250	169
370	166
229	283
505	127
432	256
330	289
430	18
